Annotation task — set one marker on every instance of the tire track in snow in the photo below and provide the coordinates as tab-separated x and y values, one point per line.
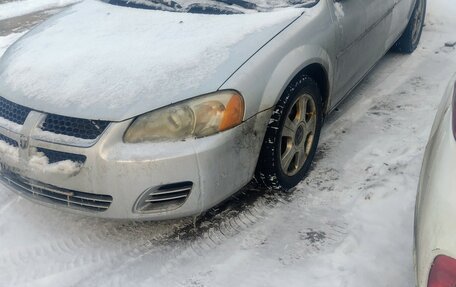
196	238
84	241
69	253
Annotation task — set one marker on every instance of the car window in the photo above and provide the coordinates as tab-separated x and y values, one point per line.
212	6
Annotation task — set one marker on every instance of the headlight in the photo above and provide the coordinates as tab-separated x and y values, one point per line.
199	117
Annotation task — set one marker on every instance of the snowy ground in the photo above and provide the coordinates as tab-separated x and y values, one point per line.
11	9
348	224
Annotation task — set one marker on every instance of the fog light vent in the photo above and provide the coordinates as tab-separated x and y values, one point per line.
165	197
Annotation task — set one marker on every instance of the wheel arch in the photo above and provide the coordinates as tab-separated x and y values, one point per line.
311	61
319	74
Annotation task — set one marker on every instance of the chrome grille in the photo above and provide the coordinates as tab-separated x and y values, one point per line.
75	127
8	140
13	112
56	156
56	195
165	197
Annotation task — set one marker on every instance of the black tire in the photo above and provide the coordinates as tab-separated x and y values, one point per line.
269	171
410	39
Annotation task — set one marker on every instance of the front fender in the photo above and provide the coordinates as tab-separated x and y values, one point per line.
294	62
264	77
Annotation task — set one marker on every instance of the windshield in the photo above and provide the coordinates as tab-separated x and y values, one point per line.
213	6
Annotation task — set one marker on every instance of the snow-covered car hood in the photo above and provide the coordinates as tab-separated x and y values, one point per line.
100	61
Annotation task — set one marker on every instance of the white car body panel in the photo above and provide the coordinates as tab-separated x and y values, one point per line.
435	224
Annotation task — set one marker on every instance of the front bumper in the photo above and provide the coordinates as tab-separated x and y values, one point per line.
217	166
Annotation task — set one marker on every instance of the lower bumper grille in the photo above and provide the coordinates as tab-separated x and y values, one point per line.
165	197
56	195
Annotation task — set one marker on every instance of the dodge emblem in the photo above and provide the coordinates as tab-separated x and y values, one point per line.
23	142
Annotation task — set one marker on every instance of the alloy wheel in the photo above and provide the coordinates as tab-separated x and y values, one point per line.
298	134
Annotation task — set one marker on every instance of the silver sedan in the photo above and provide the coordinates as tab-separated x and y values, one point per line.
150	109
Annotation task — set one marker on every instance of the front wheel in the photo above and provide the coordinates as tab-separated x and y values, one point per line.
292	136
409	40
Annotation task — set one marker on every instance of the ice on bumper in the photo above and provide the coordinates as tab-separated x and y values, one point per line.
38	162
9	153
41	162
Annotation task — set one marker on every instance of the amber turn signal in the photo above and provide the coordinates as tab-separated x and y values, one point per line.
233	114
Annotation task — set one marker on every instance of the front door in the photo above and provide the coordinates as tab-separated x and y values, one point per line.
363	28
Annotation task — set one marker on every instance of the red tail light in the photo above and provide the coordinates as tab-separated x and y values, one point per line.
443	272
454	111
